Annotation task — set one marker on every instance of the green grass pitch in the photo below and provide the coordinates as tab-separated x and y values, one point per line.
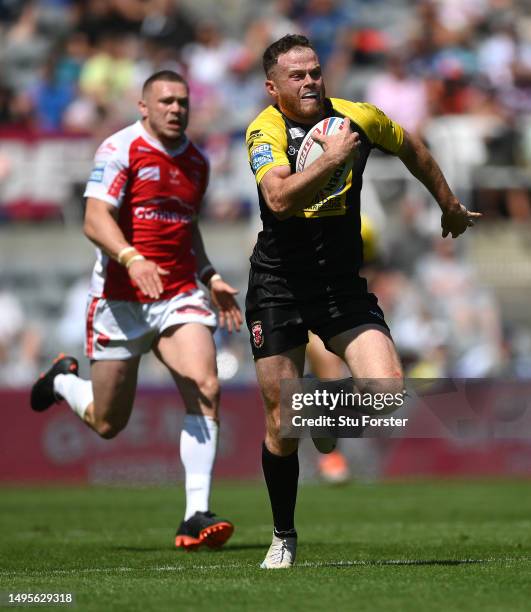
392	546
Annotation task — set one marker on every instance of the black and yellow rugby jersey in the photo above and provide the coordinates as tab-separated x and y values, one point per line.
323	240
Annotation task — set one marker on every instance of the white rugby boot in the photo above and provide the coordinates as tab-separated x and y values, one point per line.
281	553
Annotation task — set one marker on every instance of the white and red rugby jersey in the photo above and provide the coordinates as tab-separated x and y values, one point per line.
158	194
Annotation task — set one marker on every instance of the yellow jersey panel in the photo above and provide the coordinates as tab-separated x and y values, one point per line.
267	142
383	132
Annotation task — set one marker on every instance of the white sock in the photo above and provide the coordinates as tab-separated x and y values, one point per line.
76	391
199	439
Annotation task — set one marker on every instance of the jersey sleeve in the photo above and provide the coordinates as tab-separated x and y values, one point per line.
109	174
383	132
267	144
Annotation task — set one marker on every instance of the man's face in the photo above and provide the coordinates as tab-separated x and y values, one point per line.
296	84
164	110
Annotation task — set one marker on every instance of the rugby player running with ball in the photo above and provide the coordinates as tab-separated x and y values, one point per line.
305	265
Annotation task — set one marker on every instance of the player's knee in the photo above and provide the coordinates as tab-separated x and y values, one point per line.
271	397
273	422
386	394
209	389
274	441
108	430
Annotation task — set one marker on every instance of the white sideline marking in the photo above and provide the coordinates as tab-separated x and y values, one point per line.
304	564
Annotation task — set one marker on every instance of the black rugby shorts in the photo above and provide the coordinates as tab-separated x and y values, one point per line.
275	329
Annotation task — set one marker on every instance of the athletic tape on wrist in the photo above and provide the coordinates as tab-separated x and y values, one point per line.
214	277
124	252
134	258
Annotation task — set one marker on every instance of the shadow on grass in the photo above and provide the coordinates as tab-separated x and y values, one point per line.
227	548
139	549
406	562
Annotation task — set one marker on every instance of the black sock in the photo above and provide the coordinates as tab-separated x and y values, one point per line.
282	477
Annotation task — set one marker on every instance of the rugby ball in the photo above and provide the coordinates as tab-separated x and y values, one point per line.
310	151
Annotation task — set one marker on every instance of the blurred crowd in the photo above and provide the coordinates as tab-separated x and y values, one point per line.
76	67
455	72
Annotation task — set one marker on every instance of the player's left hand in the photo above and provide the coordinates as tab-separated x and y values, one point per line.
222	296
456	220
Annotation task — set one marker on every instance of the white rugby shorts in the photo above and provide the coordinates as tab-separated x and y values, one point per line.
121	330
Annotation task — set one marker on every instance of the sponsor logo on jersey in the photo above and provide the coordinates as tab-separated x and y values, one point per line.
149	173
106	147
174	176
144	149
376	314
96	176
292	150
253	136
260	156
297	132
325	206
118	183
257	333
146	213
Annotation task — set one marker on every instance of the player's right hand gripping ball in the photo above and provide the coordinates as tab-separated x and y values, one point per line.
310	151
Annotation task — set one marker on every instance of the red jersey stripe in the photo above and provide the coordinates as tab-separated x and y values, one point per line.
90	327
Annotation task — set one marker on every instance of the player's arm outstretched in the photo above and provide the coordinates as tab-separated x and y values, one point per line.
455	218
221	293
101	228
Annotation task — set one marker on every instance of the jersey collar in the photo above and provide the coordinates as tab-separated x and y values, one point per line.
158	145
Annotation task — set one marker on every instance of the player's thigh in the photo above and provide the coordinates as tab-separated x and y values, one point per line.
371	356
114	387
189	352
271	370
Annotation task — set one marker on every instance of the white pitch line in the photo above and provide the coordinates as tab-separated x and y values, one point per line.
304	564
110	570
